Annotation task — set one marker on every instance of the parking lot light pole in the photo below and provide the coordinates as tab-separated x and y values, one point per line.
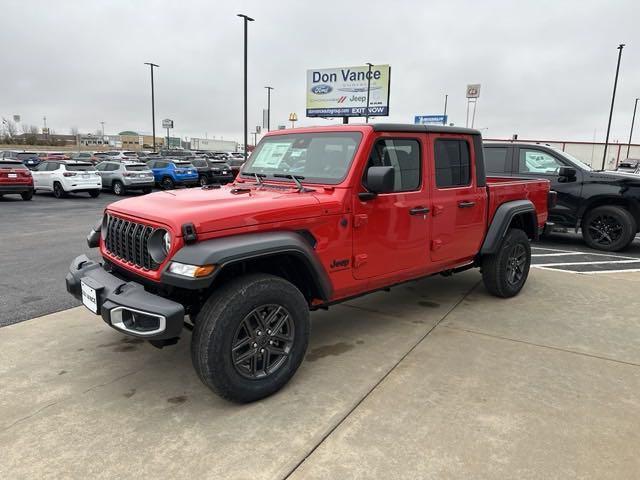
444	117
368	91
613	99
153	105
269	108
633	120
246	123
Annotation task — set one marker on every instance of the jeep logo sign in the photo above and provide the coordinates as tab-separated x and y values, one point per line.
321	89
347	91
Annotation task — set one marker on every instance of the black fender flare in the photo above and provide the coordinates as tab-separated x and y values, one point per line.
505	213
226	251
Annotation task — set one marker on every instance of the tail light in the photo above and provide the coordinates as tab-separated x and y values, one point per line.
69	174
127	174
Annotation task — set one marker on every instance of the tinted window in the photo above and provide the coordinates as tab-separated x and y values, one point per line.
495	160
12	165
135	168
101	166
537	161
79	167
112	167
51	166
26	156
404	156
453	163
200	163
183	164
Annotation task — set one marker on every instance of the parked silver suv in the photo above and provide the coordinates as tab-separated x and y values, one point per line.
123	176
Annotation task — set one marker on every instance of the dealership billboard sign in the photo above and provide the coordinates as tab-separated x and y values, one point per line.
430	119
342	92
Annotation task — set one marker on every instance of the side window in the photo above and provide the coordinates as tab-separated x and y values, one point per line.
113	167
52	166
151	164
404	156
100	166
495	160
537	161
452	162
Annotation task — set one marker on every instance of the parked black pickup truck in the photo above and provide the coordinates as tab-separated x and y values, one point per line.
605	205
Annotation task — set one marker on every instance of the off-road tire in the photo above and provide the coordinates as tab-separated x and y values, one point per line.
167	183
216	326
94	193
118	188
495	268
616	214
58	190
26	196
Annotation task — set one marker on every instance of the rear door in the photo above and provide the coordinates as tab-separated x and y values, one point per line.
459	203
391	231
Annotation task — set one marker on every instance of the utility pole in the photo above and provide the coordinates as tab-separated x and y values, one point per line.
368	91
444	117
613	99
153	105
633	119
246	127
269	108
102	123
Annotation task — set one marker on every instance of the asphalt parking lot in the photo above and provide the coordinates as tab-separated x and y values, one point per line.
435	379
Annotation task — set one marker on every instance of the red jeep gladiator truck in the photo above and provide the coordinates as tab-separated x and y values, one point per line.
315	217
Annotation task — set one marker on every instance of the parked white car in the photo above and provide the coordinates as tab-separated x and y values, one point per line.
63	177
120	155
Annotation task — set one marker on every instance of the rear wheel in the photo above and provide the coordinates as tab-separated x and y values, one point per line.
147	190
26	195
118	188
167	183
203	181
250	337
58	190
505	273
610	228
94	193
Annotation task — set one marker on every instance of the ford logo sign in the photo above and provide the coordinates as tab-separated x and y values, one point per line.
321	89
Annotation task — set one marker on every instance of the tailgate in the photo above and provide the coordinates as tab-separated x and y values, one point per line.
15	176
506	189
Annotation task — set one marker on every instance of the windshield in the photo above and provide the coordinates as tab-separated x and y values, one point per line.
318	157
182	164
79	167
200	163
136	168
579	163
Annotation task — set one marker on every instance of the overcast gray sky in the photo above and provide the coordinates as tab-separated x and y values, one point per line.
546	67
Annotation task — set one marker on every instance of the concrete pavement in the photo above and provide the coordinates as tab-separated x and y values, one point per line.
546	385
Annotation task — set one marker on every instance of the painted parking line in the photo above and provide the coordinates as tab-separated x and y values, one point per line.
556	254
605	262
581	262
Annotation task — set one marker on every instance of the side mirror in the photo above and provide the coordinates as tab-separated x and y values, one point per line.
381	179
568	173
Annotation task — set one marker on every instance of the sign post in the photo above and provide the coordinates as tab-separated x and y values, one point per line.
345	92
473	94
167	123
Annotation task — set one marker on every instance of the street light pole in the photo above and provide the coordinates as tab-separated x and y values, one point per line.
368	90
246	127
633	119
269	108
444	117
153	105
613	99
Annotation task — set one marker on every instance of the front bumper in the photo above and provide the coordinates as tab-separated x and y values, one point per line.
124	305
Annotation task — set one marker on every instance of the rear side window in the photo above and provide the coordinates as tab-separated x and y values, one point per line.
453	163
404	156
12	165
495	160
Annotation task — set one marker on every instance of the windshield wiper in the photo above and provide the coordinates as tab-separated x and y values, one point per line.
257	176
295	178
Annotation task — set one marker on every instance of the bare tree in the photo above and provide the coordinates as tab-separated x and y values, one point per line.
74	131
9	127
33	130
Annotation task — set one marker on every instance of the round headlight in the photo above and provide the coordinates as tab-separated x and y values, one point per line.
166	243
159	244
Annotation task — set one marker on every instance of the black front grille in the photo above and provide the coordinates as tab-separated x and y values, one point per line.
128	241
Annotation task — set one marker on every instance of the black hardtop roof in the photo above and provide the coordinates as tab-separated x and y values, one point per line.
410	127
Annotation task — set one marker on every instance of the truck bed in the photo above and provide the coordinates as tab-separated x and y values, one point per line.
504	189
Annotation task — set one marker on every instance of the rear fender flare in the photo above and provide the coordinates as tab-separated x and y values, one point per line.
501	221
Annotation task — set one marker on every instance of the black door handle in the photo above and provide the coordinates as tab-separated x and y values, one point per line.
419	211
466	204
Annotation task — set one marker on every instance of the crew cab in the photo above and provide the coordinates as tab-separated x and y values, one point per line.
171	172
604	205
316	216
15	178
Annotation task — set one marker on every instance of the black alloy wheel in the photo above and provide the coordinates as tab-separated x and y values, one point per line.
610	228
203	181
167	183
58	191
262	342
516	262
605	230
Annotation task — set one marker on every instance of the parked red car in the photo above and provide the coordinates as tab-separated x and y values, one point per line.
53	156
315	217
15	178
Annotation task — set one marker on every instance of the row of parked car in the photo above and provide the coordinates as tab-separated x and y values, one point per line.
119	172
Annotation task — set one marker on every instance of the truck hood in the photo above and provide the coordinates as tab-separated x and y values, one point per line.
220	208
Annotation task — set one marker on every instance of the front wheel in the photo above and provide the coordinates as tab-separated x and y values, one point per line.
250	337
505	273
609	228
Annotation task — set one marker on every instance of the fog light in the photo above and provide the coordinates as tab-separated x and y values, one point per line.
192	271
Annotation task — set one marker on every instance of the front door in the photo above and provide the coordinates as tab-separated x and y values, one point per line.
459	203
391	230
